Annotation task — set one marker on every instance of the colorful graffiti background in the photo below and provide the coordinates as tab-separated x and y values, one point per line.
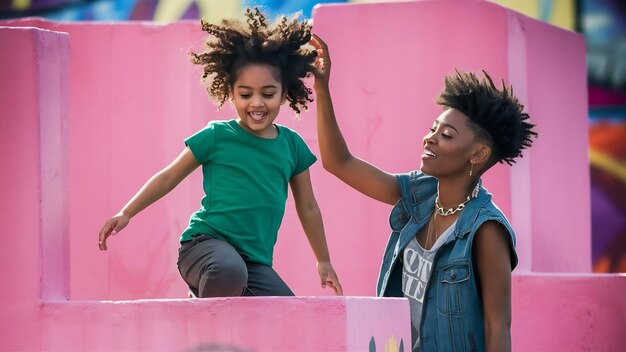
148	10
604	26
602	22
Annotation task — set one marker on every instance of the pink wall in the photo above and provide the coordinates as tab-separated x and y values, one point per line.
100	123
553	183
134	97
257	324
33	183
533	56
133	90
569	312
36	311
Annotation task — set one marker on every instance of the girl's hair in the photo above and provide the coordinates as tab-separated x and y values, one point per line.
496	116
235	44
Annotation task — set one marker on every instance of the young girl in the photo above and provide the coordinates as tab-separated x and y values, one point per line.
247	163
451	250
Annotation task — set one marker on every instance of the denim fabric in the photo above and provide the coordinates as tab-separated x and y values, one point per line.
452	315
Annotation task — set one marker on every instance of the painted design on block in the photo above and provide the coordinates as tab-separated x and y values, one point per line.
391	345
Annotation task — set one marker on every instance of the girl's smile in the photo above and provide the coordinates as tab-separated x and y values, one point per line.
257	95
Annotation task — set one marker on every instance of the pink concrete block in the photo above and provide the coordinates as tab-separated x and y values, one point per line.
558	165
384	92
257	324
33	188
367	317
134	97
389	61
569	312
131	99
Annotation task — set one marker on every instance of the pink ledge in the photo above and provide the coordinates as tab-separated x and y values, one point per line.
569	312
255	324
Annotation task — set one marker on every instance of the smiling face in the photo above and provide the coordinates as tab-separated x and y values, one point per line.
258	94
450	145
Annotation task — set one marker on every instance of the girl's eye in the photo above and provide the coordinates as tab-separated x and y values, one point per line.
446	135
268	95
432	129
244	96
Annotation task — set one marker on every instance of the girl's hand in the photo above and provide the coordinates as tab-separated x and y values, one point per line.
322	63
112	227
329	277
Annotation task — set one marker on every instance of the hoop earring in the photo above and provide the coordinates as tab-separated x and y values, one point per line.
471	168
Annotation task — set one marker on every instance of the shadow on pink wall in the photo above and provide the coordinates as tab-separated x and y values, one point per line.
90	111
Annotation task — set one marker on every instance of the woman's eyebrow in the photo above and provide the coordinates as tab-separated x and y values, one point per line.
446	125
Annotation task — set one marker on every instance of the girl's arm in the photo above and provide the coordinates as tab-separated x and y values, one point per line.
157	186
493	261
336	157
311	219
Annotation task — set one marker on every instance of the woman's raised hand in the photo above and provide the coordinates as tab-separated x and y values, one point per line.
322	63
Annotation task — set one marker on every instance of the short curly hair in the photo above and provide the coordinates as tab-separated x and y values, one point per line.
235	44
497	117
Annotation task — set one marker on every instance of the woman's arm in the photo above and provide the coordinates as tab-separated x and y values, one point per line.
492	257
336	157
311	219
157	186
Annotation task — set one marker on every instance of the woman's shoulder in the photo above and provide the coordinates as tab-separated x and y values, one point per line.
490	210
416	186
416	180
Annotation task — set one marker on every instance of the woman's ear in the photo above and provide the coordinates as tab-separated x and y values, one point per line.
481	154
283	97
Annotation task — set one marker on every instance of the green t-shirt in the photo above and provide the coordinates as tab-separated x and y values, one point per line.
245	185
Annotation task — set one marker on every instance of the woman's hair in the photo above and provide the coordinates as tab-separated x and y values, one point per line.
235	44
496	116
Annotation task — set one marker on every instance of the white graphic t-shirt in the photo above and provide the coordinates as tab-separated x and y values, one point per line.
417	266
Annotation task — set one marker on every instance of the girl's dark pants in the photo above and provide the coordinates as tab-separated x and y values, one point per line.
213	268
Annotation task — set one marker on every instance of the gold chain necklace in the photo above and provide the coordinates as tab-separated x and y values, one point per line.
447	212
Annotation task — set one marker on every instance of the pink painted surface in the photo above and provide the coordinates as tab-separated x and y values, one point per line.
384	121
33	116
134	96
382	329
569	312
259	324
36	314
117	111
547	68
389	61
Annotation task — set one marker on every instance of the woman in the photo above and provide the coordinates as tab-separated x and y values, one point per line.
451	251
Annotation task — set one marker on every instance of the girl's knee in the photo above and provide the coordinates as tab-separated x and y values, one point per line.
229	271
223	279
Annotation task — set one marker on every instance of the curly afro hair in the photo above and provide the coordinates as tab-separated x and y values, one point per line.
496	116
235	44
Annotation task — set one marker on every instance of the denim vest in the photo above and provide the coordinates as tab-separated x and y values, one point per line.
452	314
